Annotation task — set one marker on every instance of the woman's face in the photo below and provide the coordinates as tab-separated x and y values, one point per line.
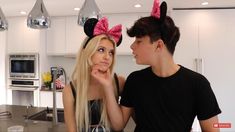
103	57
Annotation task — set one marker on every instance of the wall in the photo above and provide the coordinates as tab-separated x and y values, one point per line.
2	67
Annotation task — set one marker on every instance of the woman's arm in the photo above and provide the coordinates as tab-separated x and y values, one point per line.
69	109
116	116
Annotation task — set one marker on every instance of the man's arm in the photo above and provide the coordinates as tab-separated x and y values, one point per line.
208	124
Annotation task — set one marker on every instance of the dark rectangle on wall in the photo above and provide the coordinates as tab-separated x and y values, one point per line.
206	8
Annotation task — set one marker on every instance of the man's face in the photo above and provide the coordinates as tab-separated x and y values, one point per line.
142	50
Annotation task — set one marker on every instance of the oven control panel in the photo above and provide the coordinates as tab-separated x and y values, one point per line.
23	83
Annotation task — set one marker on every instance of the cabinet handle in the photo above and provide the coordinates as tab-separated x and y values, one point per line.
199	65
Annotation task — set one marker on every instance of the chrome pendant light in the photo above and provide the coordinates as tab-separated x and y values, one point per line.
3	21
89	10
38	18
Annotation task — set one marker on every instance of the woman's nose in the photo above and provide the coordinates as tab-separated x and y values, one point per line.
107	55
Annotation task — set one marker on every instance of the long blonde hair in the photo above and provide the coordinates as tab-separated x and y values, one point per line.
81	81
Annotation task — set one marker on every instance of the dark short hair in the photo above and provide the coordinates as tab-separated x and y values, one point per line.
156	29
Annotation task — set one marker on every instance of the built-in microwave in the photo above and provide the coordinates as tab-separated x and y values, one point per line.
24	66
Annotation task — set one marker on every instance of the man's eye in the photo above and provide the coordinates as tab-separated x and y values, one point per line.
138	42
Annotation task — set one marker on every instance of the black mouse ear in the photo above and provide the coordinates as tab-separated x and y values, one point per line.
89	26
163	11
119	41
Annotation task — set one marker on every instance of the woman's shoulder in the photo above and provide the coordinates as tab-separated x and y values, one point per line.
121	81
67	89
67	95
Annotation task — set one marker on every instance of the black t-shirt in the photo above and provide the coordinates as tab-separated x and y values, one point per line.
168	104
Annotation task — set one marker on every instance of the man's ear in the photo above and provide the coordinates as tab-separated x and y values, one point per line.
158	44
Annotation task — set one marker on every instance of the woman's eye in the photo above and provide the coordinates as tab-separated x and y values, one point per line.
111	53
101	49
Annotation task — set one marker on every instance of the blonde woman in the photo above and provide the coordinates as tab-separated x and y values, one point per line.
83	99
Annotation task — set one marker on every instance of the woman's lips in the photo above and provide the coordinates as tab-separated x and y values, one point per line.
104	66
104	63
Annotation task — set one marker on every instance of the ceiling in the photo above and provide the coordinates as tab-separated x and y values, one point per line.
65	7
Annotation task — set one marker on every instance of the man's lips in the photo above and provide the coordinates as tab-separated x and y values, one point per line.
134	54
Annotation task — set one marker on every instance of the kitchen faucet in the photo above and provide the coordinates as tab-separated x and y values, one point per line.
55	73
27	111
55	117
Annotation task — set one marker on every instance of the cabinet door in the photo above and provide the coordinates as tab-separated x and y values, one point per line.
46	99
186	50
21	38
214	38
74	35
55	41
127	20
217	49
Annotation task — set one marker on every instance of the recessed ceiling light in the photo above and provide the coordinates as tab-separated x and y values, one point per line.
137	5
22	12
205	3
76	9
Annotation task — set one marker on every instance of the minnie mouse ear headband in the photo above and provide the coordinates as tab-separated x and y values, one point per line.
159	12
94	27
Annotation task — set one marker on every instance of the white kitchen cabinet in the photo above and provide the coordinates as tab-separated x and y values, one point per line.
187	48
65	36
55	37
21	38
46	99
127	20
209	35
74	35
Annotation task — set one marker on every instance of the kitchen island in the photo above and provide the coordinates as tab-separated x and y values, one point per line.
18	114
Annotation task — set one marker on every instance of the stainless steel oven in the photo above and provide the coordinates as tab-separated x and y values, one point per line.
24	78
24	66
24	91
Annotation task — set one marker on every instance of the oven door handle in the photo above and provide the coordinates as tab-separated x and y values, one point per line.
23	88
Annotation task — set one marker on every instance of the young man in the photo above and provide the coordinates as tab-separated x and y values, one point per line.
165	97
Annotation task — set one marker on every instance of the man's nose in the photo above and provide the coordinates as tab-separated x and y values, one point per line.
132	45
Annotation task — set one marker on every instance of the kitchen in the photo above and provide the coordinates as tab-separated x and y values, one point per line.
58	45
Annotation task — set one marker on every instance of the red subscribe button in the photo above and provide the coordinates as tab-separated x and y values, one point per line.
222	125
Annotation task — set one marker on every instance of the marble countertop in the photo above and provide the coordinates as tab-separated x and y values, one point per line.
18	118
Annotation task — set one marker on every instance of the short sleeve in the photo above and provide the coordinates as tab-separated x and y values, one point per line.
206	103
127	98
